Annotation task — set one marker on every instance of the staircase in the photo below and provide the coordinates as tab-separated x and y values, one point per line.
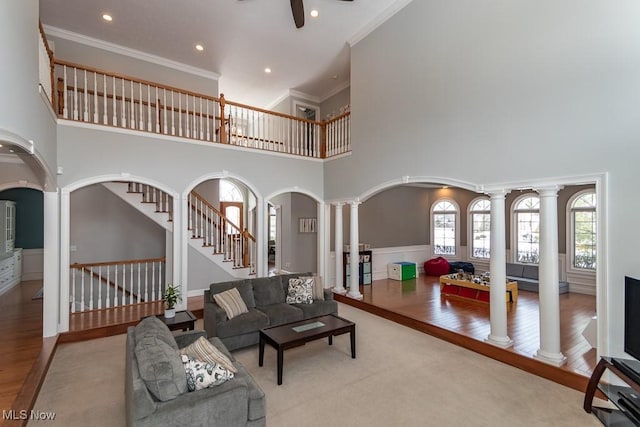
212	234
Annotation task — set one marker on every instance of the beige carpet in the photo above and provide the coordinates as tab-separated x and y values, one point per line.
400	377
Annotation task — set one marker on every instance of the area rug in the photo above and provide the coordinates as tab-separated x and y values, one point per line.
38	295
400	377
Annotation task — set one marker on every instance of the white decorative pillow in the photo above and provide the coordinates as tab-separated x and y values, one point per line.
231	302
202	375
300	291
203	350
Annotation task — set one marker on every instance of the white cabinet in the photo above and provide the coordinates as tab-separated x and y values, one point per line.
10	258
7	226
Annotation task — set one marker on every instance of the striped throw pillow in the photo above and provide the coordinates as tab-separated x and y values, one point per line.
231	302
203	350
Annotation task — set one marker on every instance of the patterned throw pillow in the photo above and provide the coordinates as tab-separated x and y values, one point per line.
300	291
203	350
231	302
202	375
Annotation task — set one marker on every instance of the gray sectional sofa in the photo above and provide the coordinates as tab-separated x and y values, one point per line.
527	277
265	298
156	385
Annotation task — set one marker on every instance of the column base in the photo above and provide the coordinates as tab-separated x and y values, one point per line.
356	295
340	291
555	359
502	342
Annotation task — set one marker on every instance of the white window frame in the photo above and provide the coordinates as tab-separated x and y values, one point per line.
457	255
571	235
514	227
470	236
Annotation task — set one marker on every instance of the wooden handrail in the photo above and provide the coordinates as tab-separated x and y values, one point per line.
134	261
136	80
338	117
136	101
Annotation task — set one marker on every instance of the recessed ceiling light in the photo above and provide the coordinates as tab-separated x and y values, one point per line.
107	17
314	13
11	150
267	70
199	47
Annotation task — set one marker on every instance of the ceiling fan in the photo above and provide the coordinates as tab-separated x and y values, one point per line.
297	9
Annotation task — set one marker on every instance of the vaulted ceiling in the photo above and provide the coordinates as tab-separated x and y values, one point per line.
240	38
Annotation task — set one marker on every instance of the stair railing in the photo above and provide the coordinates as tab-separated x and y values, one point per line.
151	194
98	285
99	97
222	235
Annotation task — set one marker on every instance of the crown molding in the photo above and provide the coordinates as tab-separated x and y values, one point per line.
121	50
336	90
363	32
305	96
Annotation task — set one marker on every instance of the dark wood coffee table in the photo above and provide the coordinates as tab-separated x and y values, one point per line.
284	337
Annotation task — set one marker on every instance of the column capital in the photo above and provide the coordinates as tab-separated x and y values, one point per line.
355	202
548	190
338	204
498	193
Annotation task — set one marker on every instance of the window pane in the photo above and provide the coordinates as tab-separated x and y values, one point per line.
528	237
444	233
229	192
481	234
584	239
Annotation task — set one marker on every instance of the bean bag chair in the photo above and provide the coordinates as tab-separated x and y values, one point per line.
436	267
467	267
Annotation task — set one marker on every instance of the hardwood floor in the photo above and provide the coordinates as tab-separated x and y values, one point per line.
414	303
417	303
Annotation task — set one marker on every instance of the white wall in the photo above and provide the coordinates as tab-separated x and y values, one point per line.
498	93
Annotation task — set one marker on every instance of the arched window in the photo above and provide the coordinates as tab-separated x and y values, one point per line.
583	230
231	206
526	215
445	218
229	192
480	220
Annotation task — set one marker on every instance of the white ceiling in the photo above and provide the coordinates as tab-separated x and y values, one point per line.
241	38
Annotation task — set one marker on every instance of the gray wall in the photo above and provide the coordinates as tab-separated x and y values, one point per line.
498	93
298	250
400	216
105	228
332	105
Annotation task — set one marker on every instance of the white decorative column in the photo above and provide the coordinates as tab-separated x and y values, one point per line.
548	277
339	288
51	265
498	269
354	252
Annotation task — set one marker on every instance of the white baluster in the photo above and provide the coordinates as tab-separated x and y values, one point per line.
91	293
108	299
207	121
100	285
65	101
114	103
140	110
201	126
85	111
146	287
153	279
179	114
75	93
160	277
82	292
158	112
173	115
74	272
123	107
130	283
164	106
149	127
105	119
138	281
95	97
132	109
